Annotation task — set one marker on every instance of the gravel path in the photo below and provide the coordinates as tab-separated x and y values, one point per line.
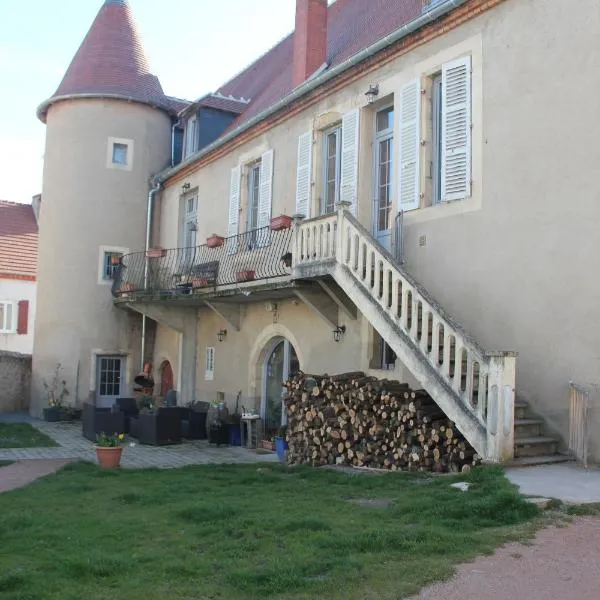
562	564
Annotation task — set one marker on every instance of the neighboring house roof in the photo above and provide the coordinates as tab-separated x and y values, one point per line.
352	26
111	62
18	239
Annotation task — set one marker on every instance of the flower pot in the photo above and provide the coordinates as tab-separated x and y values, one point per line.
215	241
267	445
155	252
109	458
198	282
115	259
126	288
241	276
281	222
281	447
234	434
52	414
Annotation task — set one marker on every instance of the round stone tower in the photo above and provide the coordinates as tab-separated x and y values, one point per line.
108	131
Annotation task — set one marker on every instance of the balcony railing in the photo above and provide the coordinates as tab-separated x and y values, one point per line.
256	255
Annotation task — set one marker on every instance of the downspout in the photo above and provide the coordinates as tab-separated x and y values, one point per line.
151	195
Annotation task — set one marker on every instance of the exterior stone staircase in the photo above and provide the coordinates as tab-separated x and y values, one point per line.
532	447
473	387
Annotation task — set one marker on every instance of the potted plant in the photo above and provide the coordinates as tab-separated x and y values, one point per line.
246	275
155	252
215	241
281	445
198	282
281	222
126	287
109	450
57	391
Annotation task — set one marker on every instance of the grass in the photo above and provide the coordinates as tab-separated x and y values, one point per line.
247	531
5	463
23	435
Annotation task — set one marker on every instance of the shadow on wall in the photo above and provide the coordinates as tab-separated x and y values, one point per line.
15	381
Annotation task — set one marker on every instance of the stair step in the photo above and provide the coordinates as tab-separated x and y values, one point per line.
527	427
531	461
520	409
535	446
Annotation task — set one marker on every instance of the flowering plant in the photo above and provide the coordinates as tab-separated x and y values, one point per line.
110	441
56	389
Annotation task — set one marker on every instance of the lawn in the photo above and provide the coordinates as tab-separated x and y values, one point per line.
248	531
23	435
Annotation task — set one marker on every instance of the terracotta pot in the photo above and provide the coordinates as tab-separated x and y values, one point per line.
281	222
199	283
155	252
245	276
127	287
115	260
109	458
215	241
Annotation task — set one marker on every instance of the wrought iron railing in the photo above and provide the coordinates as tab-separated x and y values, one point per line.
256	255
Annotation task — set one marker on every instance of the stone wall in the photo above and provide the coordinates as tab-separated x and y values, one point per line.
15	378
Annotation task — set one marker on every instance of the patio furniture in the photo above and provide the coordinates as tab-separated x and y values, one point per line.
158	428
96	420
251	430
193	422
129	407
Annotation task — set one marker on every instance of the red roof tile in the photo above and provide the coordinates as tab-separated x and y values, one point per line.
111	62
18	239
352	26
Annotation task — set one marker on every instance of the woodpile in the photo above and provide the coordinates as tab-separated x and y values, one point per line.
352	419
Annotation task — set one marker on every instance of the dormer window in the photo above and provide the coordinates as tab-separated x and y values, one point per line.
192	136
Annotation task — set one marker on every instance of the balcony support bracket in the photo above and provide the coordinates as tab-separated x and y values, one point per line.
336	293
232	313
321	304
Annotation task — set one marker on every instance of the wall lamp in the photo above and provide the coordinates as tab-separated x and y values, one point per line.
222	334
186	186
338	333
372	93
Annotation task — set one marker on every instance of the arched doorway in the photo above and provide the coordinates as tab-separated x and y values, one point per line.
166	378
281	361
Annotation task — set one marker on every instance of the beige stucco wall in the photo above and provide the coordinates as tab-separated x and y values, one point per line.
516	262
87	206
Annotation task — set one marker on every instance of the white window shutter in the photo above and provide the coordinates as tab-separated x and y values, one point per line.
349	175
456	129
304	175
409	115
234	208
265	197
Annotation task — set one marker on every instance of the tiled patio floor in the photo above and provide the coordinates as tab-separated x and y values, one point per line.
72	445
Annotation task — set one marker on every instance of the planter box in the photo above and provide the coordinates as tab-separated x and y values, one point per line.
199	283
267	445
281	222
126	288
241	276
215	241
155	253
52	415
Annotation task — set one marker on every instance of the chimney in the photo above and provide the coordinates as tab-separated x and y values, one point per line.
310	38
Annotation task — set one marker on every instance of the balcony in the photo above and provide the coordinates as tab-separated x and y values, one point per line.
260	258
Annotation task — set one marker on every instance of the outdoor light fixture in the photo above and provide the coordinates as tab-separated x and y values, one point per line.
221	335
372	93
186	186
338	333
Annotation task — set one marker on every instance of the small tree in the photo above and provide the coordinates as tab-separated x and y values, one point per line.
56	389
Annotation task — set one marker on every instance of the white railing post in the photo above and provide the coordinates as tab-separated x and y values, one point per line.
501	406
296	239
340	234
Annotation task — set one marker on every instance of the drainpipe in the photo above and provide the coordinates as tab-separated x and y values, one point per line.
151	195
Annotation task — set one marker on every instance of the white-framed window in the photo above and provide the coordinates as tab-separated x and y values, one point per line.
189	226
192	136
8	316
253	196
384	168
108	262
209	364
332	169
119	154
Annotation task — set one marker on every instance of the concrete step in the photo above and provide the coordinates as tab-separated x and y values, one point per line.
535	446
520	409
528	427
531	461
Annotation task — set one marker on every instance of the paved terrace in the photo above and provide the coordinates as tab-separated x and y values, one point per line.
73	446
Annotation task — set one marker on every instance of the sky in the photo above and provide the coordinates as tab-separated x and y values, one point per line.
194	46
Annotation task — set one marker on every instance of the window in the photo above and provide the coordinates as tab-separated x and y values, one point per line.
209	367
191	136
8	317
253	197
332	173
436	157
119	154
190	226
384	139
110	263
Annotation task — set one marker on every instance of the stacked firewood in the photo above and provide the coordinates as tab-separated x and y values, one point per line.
352	419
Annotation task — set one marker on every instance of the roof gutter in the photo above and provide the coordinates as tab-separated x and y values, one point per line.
434	13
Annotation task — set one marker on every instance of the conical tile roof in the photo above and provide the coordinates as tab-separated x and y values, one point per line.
110	63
